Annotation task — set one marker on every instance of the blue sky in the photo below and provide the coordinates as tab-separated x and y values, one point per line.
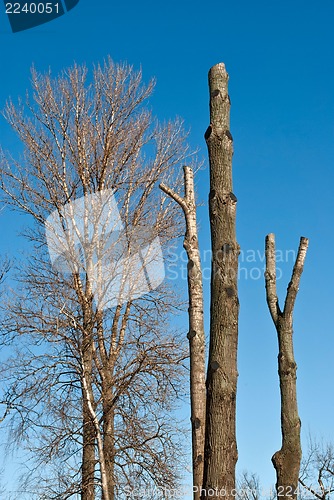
279	56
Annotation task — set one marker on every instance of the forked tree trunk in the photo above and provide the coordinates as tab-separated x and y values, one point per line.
220	441
286	461
196	334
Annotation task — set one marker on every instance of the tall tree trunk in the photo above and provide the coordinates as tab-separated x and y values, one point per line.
89	433
286	461
108	433
220	441
196	333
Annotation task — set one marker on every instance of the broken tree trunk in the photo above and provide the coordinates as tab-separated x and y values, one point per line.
286	461
220	441
196	334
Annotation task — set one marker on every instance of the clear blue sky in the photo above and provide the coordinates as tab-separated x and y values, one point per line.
279	56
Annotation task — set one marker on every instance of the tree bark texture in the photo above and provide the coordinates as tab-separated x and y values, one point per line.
109	433
89	435
220	441
196	333
287	460
88	427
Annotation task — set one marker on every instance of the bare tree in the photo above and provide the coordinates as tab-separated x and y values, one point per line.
220	441
97	371
196	333
286	461
248	487
316	477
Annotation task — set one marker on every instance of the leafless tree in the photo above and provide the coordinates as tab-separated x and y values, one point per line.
316	477
220	436
249	488
196	333
93	383
287	460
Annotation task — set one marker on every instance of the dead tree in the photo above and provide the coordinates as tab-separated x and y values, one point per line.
287	460
220	441
196	334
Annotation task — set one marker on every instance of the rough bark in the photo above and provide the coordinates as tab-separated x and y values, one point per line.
99	438
220	441
109	445
88	439
287	460
196	333
88	427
